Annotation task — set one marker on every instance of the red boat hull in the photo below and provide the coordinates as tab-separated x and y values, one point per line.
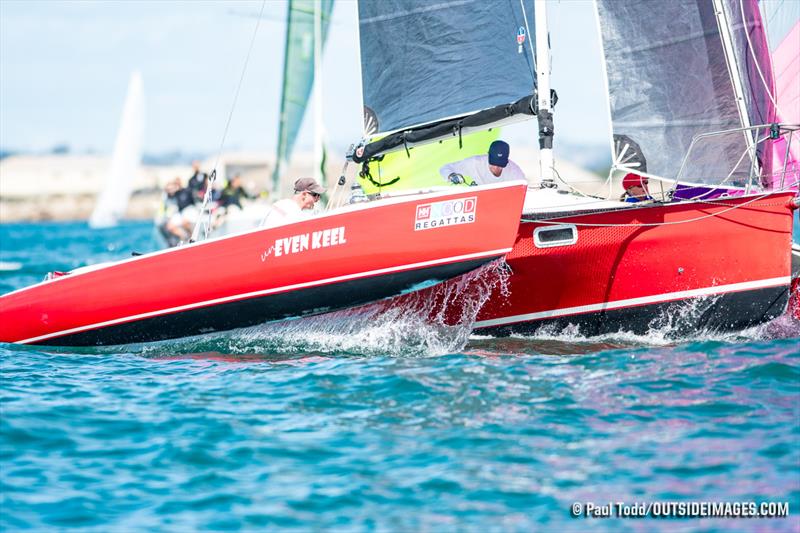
721	266
637	269
363	254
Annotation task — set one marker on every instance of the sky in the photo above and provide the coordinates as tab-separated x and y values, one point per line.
65	68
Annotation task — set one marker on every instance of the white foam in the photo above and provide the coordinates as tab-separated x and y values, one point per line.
675	324
418	325
412	325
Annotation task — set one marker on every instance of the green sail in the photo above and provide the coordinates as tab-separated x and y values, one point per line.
419	168
298	74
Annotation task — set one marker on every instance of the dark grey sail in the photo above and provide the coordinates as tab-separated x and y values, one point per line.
668	80
424	61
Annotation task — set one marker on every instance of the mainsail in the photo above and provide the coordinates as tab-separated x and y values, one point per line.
425	62
125	161
298	73
676	70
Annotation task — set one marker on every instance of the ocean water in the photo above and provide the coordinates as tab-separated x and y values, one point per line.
376	421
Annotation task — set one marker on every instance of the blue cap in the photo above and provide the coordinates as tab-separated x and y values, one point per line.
498	153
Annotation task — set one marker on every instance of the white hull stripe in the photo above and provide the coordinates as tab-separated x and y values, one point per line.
265	292
633	302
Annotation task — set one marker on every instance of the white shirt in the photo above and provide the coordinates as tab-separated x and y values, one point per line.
282	212
477	168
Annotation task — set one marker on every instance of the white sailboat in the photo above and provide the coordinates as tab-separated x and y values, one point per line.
125	161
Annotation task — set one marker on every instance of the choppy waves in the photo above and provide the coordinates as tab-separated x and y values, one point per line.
481	439
378	419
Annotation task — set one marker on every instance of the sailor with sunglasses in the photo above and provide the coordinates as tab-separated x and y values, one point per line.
307	193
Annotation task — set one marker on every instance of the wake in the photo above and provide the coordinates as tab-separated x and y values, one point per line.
419	324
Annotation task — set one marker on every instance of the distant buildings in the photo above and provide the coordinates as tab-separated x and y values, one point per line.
64	186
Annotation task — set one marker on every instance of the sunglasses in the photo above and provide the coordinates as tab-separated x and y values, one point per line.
314	195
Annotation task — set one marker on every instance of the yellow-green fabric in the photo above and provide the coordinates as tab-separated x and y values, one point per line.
421	169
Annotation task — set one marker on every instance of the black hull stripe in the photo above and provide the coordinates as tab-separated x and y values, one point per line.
731	311
253	311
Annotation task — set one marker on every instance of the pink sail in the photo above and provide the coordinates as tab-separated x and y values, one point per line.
786	65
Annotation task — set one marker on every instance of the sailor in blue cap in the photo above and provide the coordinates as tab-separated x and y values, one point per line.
493	167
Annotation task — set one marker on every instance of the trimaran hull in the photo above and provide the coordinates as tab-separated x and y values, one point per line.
362	254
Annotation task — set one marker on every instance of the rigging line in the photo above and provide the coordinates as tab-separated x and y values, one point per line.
575	190
530	40
758	141
207	196
755	59
734	73
337	189
560	219
674	187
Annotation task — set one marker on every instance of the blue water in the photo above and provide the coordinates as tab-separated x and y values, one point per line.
375	423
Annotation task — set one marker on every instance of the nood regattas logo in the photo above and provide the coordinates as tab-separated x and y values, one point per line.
446	213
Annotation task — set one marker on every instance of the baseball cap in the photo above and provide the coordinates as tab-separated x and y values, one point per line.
308	185
498	153
633	180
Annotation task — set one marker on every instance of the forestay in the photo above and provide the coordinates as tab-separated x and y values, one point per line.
669	79
427	61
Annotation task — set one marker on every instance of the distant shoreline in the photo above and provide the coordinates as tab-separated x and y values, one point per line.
143	205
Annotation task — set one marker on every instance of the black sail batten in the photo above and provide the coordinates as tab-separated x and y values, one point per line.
446	128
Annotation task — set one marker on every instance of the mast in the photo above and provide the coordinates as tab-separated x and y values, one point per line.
545	115
319	148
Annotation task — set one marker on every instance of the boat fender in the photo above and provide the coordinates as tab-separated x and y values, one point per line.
794	203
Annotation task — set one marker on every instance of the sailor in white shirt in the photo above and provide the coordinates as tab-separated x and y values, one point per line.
493	167
307	193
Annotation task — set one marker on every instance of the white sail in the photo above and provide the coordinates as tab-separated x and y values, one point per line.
125	161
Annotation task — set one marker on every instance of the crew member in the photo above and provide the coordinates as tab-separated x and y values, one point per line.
307	193
635	188
233	192
494	167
